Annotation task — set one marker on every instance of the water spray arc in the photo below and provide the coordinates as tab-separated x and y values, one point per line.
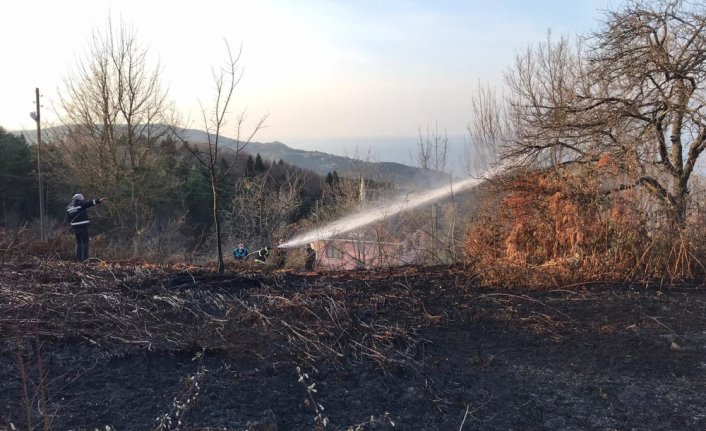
370	215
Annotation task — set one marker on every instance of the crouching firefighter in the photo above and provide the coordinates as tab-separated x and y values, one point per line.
262	254
240	252
77	216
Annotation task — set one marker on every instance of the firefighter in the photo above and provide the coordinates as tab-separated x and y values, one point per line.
240	252
262	254
77	216
310	258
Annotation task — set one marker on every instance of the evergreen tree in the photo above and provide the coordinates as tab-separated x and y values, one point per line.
197	191
250	167
259	165
17	190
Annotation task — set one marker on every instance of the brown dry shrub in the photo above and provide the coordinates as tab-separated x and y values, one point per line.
13	243
550	216
18	244
159	241
555	228
673	255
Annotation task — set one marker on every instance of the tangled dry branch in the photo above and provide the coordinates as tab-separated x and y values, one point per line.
126	305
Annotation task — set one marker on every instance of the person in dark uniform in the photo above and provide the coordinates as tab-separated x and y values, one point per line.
262	254
310	258
279	255
77	215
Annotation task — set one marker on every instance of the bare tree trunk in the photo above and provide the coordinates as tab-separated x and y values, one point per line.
432	152
452	226
217	223
225	82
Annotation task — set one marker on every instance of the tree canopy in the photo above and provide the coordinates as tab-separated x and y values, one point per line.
16	176
631	94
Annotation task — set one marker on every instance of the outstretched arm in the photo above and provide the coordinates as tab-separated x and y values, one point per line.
92	202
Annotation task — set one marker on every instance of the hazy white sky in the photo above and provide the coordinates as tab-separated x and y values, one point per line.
320	69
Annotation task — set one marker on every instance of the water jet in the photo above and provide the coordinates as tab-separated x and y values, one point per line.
370	215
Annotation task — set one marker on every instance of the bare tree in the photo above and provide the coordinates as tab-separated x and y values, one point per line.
262	206
632	92
210	156
115	114
432	157
432	150
486	131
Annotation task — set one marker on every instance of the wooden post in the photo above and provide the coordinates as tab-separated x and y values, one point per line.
39	169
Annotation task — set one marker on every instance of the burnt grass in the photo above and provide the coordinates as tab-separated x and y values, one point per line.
128	345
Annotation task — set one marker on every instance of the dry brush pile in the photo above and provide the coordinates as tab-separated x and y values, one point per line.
128	304
555	228
125	307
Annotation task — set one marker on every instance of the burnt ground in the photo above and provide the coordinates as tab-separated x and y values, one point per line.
126	346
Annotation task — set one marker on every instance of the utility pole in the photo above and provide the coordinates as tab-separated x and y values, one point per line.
37	117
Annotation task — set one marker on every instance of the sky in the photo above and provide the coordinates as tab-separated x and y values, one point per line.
327	74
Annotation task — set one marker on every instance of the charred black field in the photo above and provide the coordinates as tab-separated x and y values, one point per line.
136	347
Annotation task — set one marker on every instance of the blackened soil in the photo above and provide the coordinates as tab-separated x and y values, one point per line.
411	349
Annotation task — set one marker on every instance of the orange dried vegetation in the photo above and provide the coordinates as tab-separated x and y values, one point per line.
561	224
